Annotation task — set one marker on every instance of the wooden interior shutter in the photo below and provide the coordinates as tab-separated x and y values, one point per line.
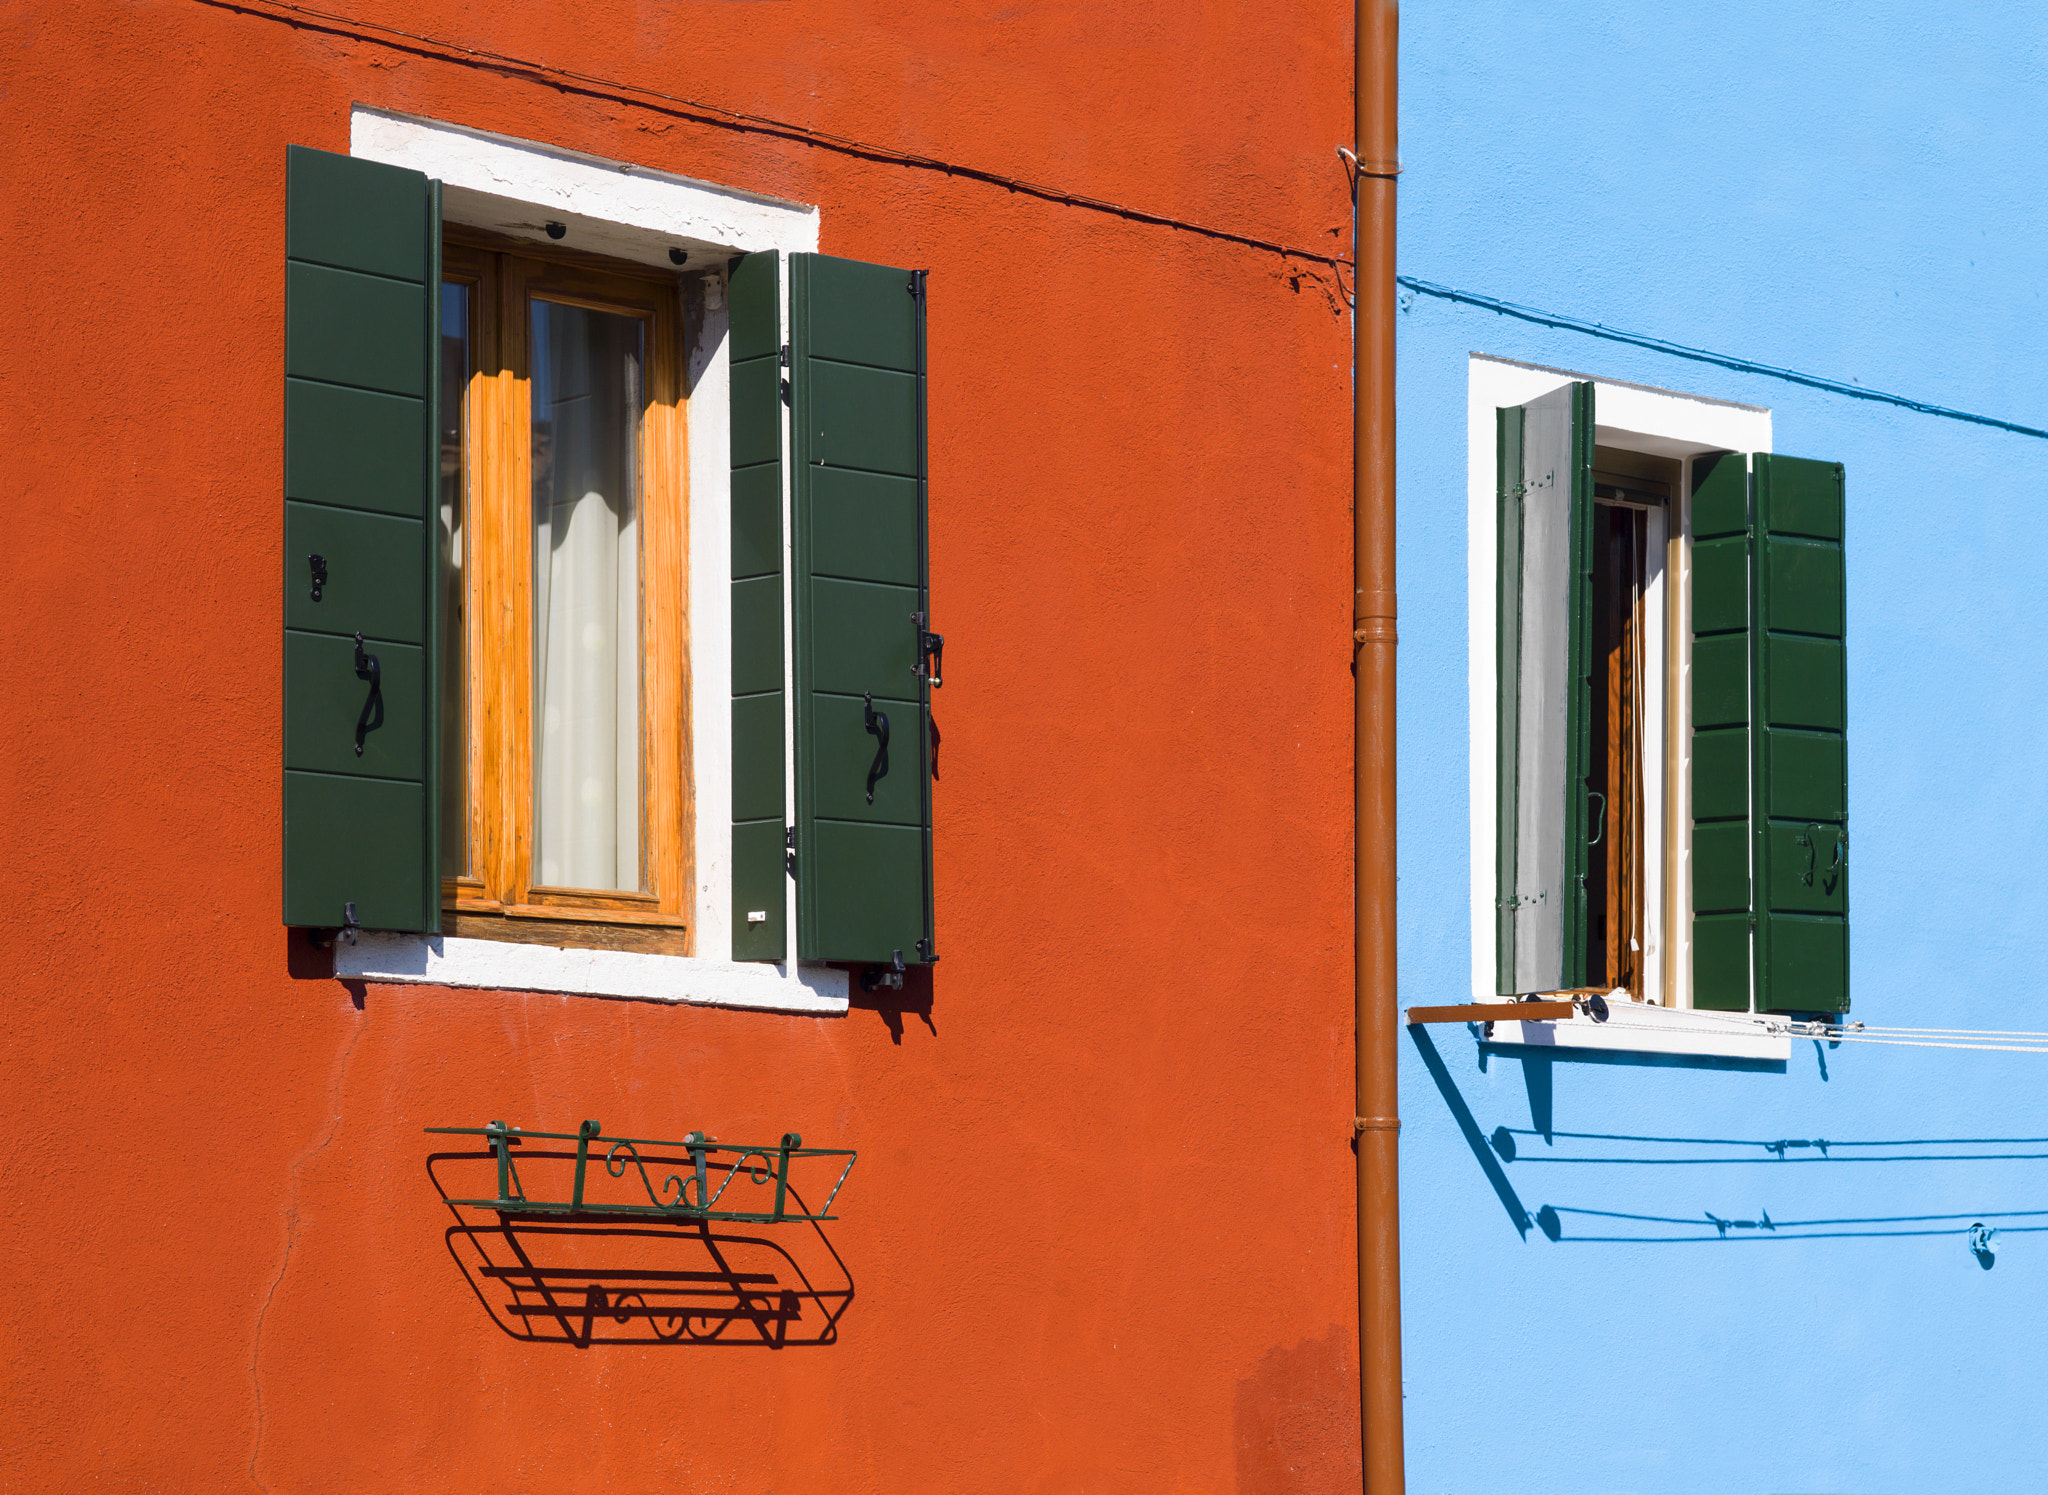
1800	822
1721	742
863	755
1544	659
361	456
759	881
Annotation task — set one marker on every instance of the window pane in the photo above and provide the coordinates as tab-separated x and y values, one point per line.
586	597
454	589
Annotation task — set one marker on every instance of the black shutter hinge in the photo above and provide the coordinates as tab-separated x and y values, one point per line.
789	849
782	358
927	951
916	285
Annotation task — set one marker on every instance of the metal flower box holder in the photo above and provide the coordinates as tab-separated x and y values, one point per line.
707	1156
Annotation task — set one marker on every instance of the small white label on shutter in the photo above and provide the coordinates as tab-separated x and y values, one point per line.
757	916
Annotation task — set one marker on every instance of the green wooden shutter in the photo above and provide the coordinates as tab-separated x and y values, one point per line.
1720	733
361	455
1800	825
1770	719
1544	663
863	841
759	882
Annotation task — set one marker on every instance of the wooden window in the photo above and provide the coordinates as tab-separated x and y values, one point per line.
568	814
1632	503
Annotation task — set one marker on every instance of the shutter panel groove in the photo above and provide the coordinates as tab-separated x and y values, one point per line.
362	324
759	879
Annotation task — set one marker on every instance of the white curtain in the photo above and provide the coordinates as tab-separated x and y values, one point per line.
586	597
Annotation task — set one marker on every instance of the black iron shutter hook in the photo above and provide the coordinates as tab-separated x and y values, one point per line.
368	669
878	726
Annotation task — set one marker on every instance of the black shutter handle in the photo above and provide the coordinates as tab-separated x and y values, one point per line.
368	669
878	726
1601	830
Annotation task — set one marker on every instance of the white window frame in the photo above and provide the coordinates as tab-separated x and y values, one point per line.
517	187
1654	422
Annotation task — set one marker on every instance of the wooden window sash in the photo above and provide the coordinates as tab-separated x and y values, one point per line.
500	899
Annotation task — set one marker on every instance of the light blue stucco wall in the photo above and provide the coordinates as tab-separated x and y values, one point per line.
1858	193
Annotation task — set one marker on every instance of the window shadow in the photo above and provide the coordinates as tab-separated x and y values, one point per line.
585	1280
1586	1224
1475	1139
891	1005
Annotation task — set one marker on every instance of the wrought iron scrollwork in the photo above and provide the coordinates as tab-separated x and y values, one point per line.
712	1168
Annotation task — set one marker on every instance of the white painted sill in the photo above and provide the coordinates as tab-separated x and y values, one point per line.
1639	1028
499	965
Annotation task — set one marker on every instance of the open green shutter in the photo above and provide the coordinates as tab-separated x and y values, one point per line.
863	787
361	457
1800	824
1544	662
1720	733
759	881
1769	749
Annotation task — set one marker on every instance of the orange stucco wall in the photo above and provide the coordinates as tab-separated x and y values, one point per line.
1100	1235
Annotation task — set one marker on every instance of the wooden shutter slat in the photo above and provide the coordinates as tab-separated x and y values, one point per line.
1545	658
1799	821
759	793
863	866
362	323
1720	734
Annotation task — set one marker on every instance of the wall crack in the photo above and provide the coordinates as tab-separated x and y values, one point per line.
291	1239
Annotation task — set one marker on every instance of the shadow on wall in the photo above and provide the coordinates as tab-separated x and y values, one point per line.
1578	1224
590	1280
1297	1419
891	1005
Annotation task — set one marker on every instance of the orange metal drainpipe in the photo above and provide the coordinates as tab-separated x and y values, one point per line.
1373	639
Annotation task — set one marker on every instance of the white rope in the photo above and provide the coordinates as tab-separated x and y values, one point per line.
1985	1033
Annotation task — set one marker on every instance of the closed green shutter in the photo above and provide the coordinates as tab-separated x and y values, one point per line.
863	787
1770	717
1544	663
759	881
361	455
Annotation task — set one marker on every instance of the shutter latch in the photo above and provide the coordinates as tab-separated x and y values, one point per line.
782	358
318	563
789	849
874	976
930	646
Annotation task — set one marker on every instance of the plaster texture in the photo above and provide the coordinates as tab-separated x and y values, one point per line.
1658	1276
1100	1235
